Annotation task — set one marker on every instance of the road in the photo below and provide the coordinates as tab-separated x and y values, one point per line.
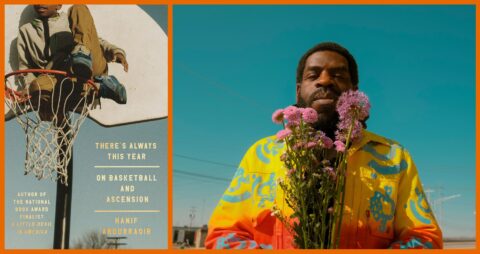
459	245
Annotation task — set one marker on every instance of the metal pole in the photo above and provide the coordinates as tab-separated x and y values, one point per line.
63	205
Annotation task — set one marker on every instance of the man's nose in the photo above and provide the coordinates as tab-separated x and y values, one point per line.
324	79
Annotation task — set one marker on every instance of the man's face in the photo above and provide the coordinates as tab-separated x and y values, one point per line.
325	77
45	10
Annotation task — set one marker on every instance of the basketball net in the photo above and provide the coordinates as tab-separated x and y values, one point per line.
50	107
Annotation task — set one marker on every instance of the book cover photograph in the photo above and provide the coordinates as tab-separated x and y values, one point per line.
86	107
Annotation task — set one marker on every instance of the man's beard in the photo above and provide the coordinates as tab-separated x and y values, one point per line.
327	120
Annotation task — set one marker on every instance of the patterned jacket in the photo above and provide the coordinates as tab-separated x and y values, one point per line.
385	205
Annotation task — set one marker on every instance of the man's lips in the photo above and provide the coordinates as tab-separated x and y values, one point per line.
323	98
321	103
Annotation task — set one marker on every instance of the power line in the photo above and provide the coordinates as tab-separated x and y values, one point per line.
182	172
225	88
206	161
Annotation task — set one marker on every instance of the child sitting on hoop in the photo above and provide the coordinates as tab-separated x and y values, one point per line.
69	42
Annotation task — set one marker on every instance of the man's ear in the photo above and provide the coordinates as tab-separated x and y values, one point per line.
298	91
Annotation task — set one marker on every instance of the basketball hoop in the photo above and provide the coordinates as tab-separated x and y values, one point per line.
50	108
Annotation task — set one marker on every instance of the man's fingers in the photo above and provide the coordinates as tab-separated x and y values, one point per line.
123	61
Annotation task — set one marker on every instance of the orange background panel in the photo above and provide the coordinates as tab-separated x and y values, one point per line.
171	127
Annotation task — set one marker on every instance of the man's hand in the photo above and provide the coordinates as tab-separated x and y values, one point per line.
121	59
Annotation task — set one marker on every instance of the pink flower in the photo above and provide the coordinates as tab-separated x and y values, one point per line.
323	139
292	113
277	116
344	126
293	124
327	142
331	172
353	104
299	145
309	115
282	134
311	144
339	146
352	107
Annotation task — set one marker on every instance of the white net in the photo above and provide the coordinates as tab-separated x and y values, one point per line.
50	108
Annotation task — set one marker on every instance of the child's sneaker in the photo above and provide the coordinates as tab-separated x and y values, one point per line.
81	62
110	88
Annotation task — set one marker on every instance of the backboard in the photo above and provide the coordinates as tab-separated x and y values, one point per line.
146	45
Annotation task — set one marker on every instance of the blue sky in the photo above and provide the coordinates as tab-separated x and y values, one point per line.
89	195
234	65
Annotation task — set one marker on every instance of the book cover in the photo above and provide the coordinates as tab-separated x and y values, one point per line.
117	185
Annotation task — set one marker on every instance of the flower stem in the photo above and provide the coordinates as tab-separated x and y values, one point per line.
343	167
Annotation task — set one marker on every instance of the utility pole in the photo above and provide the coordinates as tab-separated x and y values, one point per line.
192	215
116	239
202	215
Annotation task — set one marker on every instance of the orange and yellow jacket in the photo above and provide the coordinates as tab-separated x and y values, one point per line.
385	205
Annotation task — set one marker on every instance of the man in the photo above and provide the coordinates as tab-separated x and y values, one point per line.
69	42
385	206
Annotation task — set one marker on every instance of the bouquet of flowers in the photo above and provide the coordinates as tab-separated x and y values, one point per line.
314	185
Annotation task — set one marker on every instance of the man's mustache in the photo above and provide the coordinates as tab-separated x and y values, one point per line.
324	93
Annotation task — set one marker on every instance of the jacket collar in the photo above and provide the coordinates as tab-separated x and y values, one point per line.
37	22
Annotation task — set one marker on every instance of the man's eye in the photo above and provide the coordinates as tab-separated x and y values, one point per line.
311	76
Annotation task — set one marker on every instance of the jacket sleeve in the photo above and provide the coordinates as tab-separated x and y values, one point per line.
415	224
234	223
24	57
109	50
230	226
